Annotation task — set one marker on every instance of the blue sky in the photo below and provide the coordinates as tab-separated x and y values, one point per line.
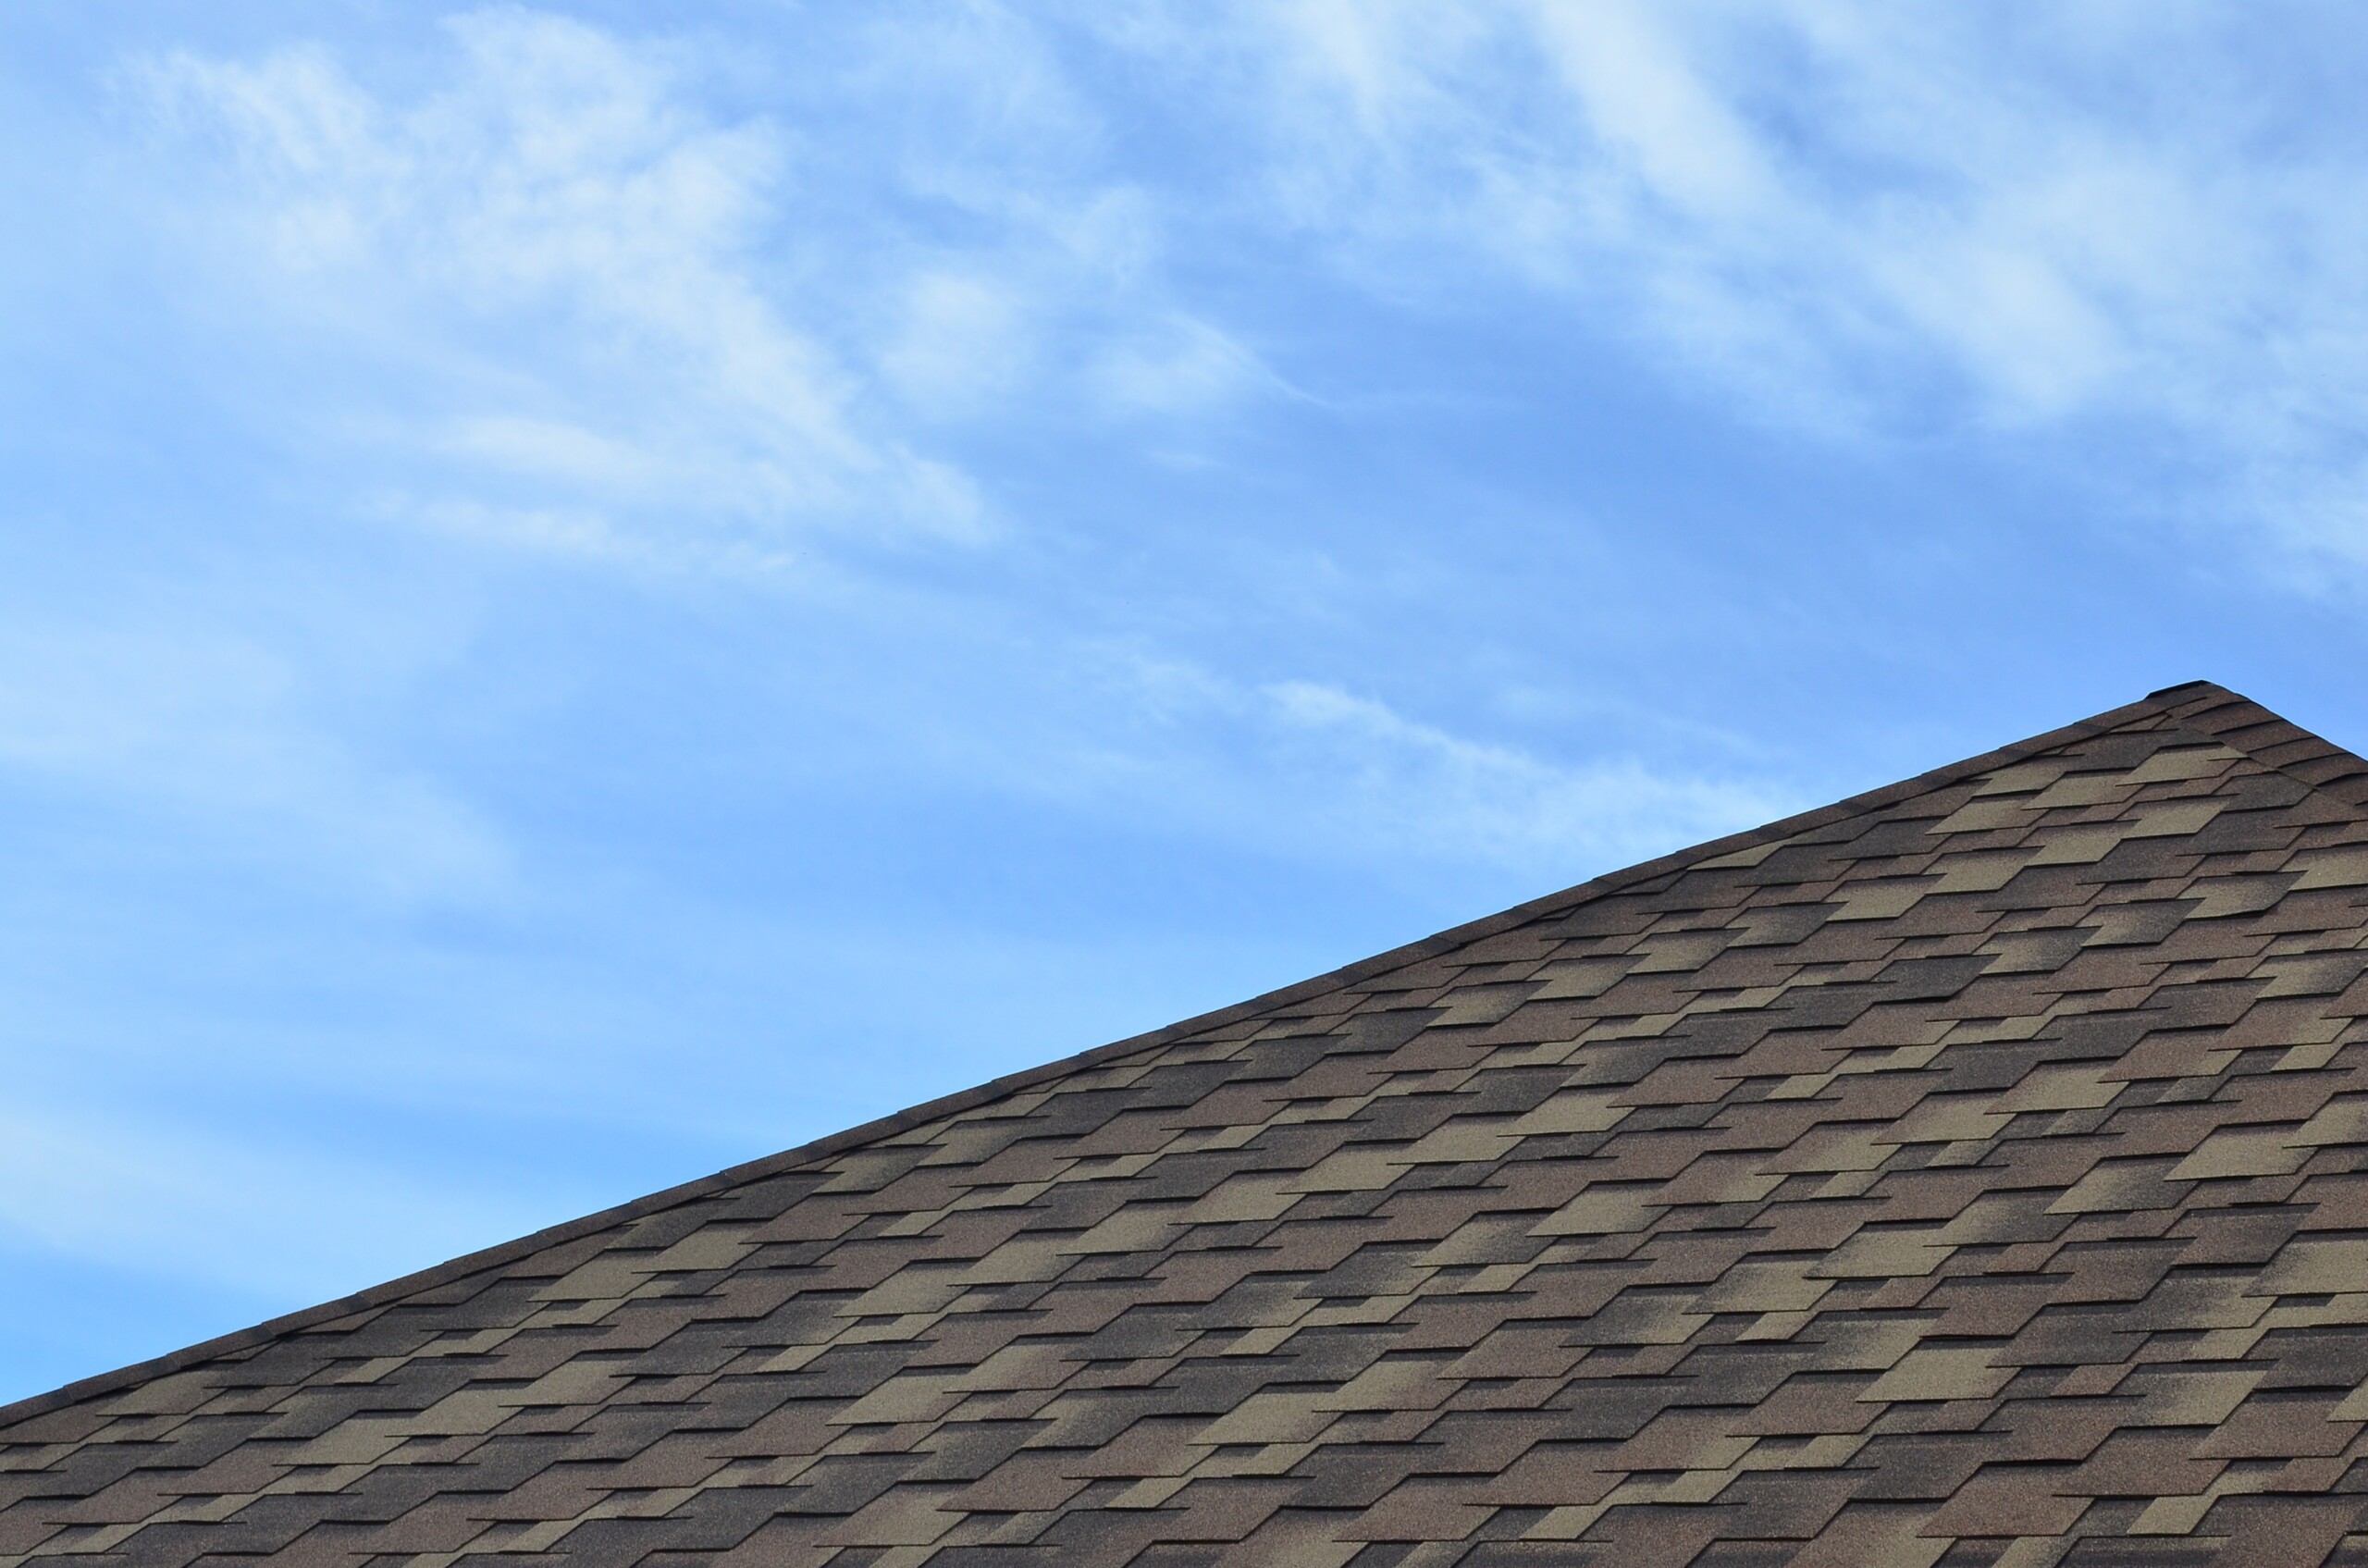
589	592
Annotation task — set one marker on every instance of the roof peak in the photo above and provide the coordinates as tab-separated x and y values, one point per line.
1968	1106
2203	707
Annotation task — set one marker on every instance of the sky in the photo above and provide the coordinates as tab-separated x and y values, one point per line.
591	592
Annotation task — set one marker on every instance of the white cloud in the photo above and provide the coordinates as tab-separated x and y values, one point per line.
557	247
1377	777
711	328
1312	769
548	448
959	341
1857	217
558	271
1178	367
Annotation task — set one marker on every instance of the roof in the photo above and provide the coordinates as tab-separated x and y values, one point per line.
1973	1172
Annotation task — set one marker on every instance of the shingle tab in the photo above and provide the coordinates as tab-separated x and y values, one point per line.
1974	1172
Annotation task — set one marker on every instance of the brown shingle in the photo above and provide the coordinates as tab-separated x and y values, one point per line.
1929	1179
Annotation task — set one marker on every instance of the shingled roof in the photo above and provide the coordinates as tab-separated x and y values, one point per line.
1974	1172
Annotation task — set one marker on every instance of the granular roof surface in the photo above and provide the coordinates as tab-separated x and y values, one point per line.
1975	1172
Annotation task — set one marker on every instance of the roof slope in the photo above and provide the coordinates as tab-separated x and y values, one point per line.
1972	1173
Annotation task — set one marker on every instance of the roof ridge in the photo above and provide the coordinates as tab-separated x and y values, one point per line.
2271	739
2196	704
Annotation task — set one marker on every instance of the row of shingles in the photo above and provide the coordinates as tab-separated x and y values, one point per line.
1479	1431
1443	1416
752	1446
1927	964
2016	1487
1989	1291
1418	1468
1414	1467
1982	1349
211	1463
1936	1193
1116	1324
1805	1170
1346	1275
2176	897
1868	978
1924	977
908	1367
62	1472
361	1446
989	1354
1323	1374
1864	1339
1252	1364
996	1355
625	1418
1499	1437
1653	1420
1237	1314
703	1486
2286	1147
515	1394
385	1427
85	1478
1920	1448
2277	742
346	1443
1672	1069
1303	1366
1590	1264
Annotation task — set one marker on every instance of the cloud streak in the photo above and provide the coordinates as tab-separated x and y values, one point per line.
1865	220
1312	769
1858	220
1389	783
629	324
561	254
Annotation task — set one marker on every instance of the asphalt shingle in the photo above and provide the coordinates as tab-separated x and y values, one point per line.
1975	1172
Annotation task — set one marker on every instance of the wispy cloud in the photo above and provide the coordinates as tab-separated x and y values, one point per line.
560	253
1381	781
562	273
1854	218
1848	217
1821	182
1315	770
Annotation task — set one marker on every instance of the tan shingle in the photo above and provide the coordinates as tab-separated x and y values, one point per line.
1907	1174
